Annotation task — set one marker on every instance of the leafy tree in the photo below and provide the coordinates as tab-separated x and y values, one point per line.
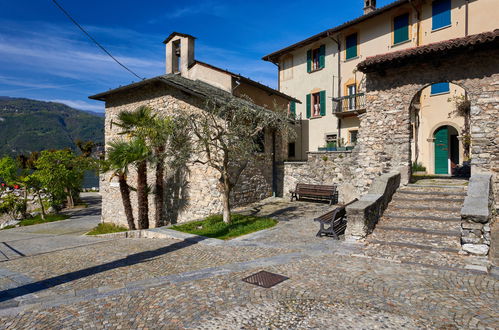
86	148
226	139
60	173
120	156
8	170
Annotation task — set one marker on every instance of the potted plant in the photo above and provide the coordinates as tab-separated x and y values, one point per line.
341	146
331	146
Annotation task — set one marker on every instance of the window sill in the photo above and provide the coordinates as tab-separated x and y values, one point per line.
316	117
438	94
315	70
351	59
401	43
441	28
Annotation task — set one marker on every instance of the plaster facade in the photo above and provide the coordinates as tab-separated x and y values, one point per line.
375	36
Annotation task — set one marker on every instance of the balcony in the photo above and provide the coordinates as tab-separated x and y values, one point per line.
349	105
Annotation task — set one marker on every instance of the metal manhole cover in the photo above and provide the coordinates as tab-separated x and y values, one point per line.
265	279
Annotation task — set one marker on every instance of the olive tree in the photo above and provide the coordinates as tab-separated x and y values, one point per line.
225	138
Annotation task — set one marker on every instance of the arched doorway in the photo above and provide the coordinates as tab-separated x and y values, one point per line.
446	149
437	129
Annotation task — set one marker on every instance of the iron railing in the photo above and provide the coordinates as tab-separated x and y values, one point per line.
353	102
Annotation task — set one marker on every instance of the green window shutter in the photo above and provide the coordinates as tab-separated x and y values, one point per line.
401	28
309	105
322	56
323	102
309	60
292	107
351	46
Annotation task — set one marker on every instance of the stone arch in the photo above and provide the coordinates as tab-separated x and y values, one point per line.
384	136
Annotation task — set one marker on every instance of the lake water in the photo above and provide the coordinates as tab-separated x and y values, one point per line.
90	180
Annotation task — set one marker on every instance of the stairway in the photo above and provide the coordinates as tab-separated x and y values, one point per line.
422	225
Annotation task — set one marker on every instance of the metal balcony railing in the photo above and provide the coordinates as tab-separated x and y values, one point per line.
353	102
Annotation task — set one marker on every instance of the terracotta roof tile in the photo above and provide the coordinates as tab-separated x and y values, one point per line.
481	40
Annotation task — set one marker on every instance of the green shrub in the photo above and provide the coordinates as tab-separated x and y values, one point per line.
418	167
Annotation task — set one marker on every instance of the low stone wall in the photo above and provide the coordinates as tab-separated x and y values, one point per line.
363	215
477	214
331	167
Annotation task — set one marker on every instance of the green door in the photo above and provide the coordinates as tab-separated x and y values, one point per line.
442	151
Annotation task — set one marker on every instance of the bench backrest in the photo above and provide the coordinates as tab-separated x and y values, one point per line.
337	213
315	189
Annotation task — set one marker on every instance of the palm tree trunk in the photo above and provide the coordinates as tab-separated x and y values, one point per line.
142	196
159	196
127	204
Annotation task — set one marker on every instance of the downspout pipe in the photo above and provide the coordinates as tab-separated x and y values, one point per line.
466	19
418	24
339	77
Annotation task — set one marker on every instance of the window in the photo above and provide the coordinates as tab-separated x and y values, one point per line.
351	46
401	28
292	108
440	88
316	104
352	136
352	90
291	150
316	59
440	14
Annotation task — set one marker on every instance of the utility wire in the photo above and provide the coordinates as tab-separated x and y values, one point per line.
95	41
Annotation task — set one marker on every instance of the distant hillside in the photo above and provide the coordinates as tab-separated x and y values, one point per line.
29	125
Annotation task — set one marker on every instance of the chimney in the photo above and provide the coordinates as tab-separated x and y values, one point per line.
179	53
369	6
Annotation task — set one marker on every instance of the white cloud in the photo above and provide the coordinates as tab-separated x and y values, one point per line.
81	105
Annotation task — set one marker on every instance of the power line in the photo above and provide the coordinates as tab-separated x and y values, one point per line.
92	39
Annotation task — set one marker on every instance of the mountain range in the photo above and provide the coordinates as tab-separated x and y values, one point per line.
29	125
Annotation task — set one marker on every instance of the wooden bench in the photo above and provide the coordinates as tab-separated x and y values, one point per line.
336	220
315	191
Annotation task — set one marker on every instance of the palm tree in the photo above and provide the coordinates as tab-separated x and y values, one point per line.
134	124
120	156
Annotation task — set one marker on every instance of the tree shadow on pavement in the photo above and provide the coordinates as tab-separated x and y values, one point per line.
133	259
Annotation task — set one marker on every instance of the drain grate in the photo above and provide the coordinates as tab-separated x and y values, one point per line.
265	279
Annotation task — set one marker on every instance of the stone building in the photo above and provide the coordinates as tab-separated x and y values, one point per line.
322	72
192	193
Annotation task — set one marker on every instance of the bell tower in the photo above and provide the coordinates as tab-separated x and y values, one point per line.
369	6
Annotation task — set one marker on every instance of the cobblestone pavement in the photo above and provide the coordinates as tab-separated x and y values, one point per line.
163	283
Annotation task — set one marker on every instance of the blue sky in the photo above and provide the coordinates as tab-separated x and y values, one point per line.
43	56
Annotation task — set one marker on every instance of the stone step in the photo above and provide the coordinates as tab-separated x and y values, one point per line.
425	207
430	194
432	231
422	217
414	255
425	240
437	186
430	224
407	198
416	246
414	212
435	189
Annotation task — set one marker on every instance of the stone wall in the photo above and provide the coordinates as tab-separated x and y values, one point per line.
477	214
364	214
191	192
333	167
384	141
